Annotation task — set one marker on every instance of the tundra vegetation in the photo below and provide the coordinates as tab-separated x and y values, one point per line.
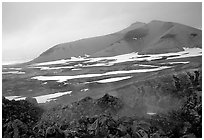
97	118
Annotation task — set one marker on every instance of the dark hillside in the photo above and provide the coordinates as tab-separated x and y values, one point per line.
99	117
151	38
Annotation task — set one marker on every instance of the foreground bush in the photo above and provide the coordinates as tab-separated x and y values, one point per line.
18	117
95	118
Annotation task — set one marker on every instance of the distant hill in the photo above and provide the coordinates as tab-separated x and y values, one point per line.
151	38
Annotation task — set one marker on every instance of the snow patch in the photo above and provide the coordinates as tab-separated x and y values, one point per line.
52	68
51	62
84	90
13	72
40	99
15	68
113	79
134	56
12	97
151	113
86	55
148	66
44	83
65	78
188	52
76	69
176	62
47	98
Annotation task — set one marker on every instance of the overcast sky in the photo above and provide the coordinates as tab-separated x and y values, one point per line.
31	28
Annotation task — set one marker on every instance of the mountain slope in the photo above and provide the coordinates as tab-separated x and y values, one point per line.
154	37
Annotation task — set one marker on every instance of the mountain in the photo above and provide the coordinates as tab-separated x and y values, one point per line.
151	38
141	82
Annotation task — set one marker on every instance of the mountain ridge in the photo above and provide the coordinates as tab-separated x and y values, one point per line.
145	38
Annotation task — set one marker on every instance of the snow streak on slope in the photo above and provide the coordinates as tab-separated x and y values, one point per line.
53	68
40	99
49	97
65	78
51	62
113	79
84	90
12	97
109	61
13	72
175	63
15	68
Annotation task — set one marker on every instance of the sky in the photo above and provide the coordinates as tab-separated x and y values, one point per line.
29	29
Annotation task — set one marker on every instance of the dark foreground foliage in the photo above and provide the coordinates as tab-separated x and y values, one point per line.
94	118
18	117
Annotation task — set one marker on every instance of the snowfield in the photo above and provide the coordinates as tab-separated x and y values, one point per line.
65	78
110	61
40	99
